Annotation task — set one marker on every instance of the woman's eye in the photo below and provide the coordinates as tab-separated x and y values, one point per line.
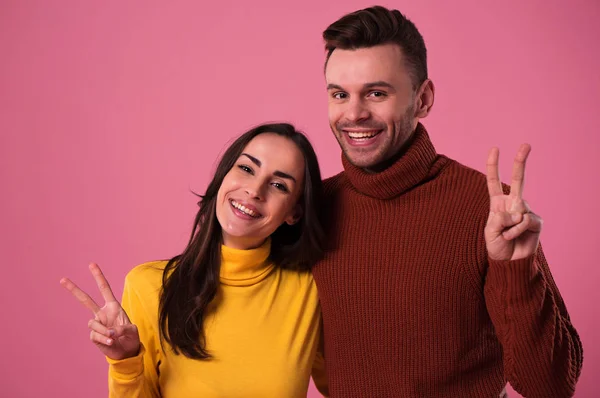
245	168
280	186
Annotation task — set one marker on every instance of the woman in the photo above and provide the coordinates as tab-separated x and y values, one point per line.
236	314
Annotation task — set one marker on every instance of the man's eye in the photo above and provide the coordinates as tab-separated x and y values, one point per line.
377	94
340	95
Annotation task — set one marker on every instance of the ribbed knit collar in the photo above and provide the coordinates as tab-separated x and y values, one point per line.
408	171
245	267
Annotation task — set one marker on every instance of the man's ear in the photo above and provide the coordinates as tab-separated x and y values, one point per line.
425	99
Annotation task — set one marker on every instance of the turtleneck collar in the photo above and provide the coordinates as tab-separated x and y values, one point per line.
245	267
408	171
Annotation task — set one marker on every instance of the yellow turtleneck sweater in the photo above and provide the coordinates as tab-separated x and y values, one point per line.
263	335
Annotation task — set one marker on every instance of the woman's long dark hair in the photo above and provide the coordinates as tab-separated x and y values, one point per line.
191	279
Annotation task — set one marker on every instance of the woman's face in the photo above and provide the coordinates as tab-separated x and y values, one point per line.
261	191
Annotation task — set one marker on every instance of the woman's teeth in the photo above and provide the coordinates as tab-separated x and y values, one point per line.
243	209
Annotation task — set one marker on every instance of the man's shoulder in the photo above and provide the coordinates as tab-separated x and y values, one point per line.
456	166
334	178
464	188
465	175
334	183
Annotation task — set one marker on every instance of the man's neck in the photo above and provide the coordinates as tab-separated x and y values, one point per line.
378	168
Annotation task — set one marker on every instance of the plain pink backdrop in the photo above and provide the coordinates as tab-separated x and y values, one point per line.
112	112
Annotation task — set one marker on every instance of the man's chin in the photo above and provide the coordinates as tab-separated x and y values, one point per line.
363	161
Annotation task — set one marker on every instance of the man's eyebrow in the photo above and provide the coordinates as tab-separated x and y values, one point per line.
379	83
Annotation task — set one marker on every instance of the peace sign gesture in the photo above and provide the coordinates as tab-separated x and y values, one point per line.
111	330
512	231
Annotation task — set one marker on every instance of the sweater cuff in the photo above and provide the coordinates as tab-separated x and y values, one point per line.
516	276
129	368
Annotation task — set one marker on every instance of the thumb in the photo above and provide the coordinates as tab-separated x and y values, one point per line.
129	330
498	222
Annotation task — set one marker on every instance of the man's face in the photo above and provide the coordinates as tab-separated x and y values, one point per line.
371	103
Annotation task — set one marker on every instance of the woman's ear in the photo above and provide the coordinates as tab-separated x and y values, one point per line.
295	215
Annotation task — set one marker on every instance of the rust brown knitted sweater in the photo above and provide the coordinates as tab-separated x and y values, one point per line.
412	305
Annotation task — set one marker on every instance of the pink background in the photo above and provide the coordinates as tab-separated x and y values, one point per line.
111	112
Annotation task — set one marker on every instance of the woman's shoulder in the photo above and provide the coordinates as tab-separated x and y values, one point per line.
148	275
302	279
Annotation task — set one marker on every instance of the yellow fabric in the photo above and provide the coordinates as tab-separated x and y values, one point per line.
264	335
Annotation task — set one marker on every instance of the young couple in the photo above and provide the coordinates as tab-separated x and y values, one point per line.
407	274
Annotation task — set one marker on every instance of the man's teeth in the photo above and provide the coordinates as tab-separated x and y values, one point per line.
244	209
362	135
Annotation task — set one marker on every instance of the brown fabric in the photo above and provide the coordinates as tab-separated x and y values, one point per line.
412	307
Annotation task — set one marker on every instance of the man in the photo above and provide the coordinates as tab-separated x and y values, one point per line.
434	285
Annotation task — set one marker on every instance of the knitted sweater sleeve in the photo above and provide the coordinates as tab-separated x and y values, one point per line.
136	377
543	354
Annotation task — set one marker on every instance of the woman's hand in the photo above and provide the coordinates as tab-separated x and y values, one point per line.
111	330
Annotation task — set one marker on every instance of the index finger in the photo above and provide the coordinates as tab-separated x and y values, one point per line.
492	176
518	175
102	283
80	295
